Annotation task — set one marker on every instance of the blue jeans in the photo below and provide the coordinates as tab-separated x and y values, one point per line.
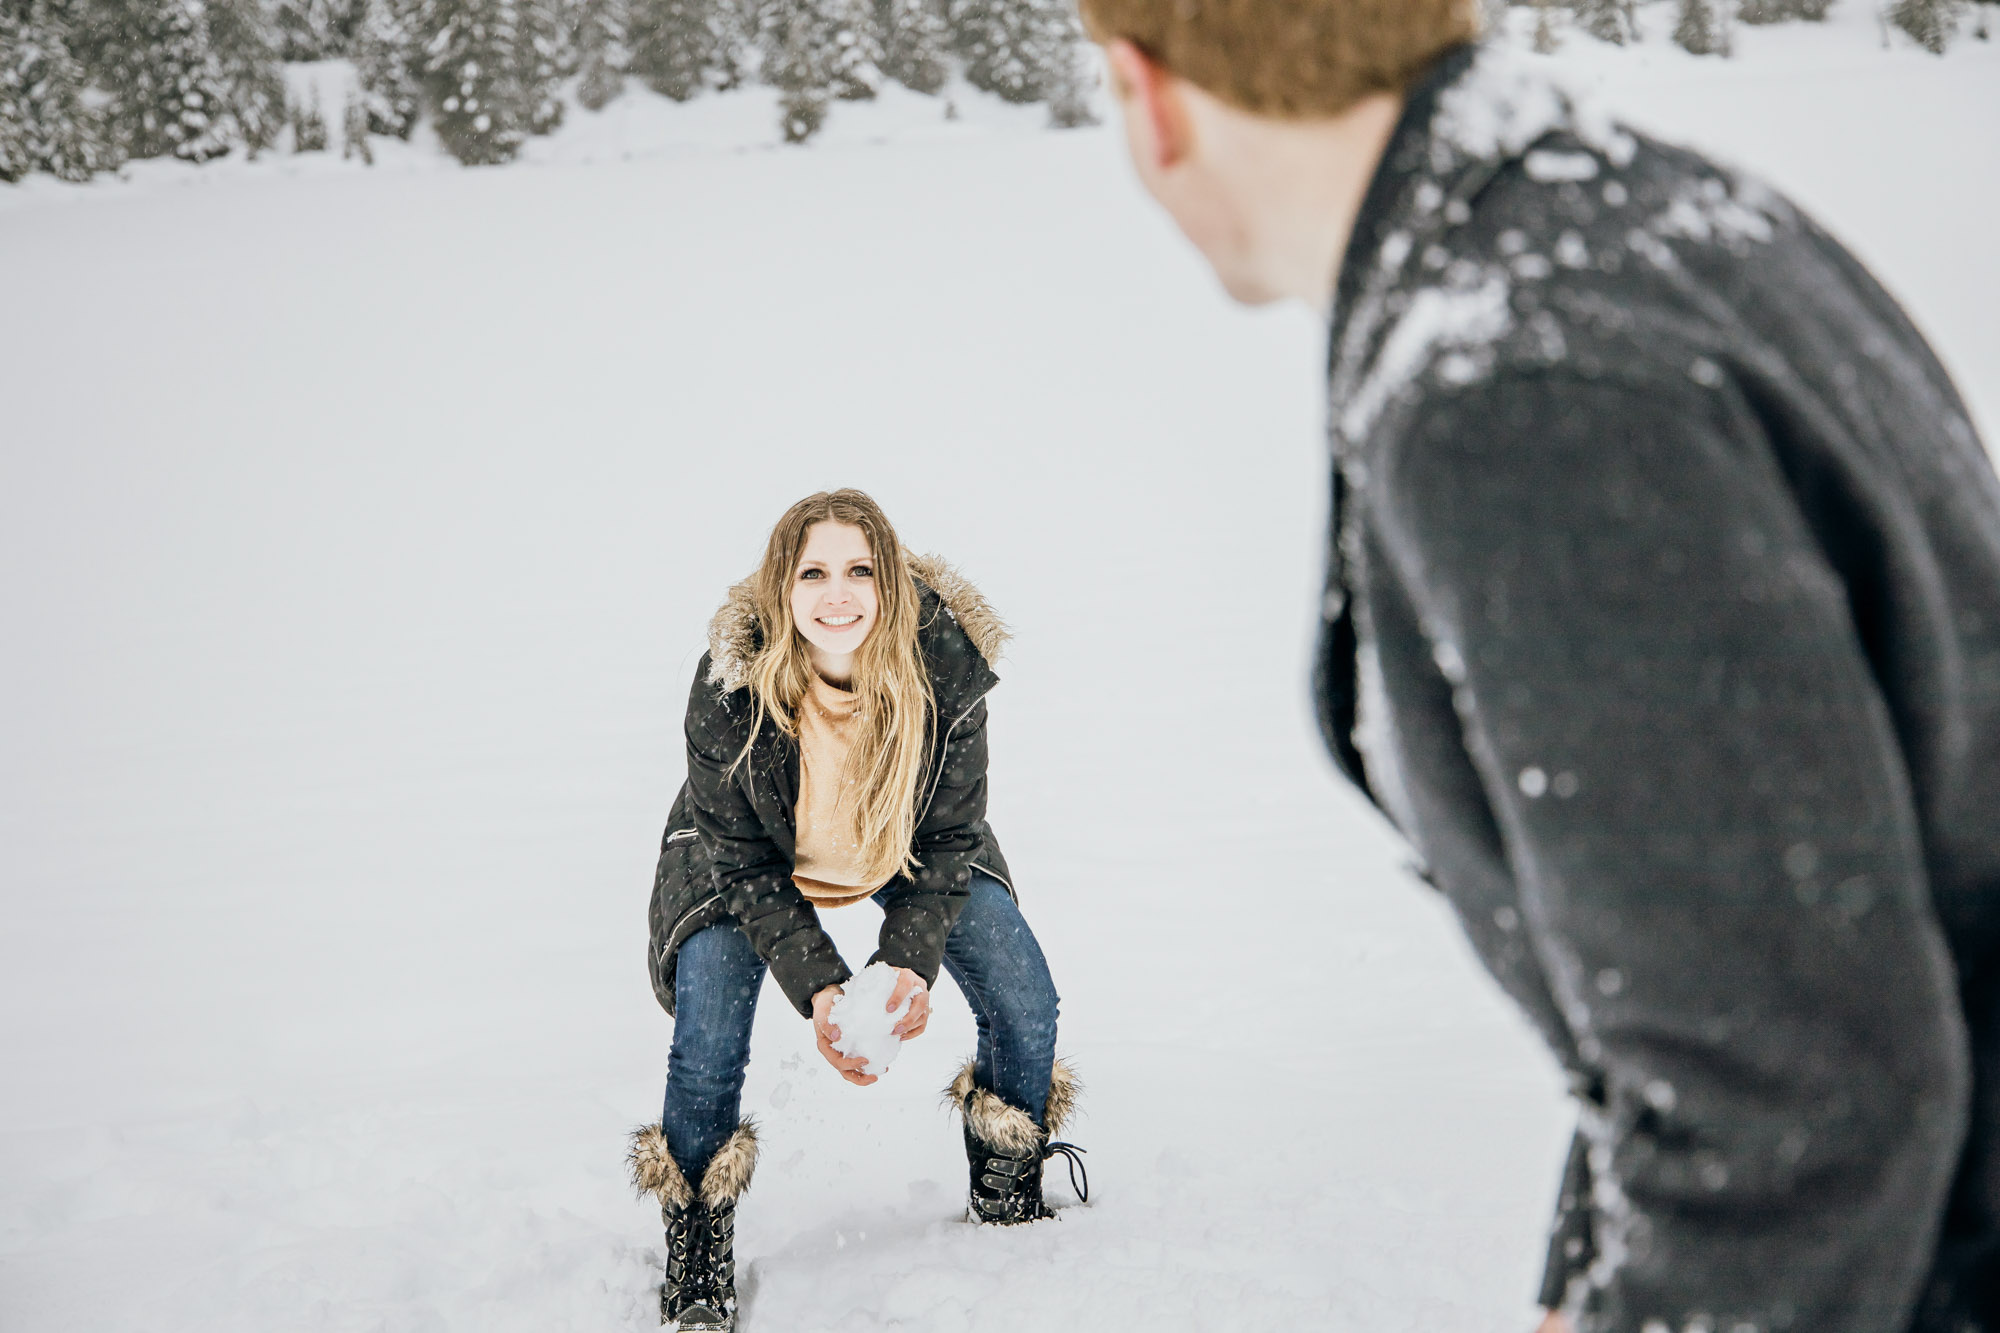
991	954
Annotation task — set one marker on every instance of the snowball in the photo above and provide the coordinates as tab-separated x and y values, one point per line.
866	1023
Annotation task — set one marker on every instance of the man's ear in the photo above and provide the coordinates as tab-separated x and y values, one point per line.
1154	104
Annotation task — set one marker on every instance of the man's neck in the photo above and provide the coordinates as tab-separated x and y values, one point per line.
1309	180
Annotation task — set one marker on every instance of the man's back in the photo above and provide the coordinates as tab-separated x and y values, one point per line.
1665	611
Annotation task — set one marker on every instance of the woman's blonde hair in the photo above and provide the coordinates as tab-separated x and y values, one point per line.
893	714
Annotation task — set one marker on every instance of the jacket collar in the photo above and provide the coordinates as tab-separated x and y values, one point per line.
1402	162
1476	112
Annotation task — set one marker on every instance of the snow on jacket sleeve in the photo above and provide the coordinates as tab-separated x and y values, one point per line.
918	917
754	876
1706	810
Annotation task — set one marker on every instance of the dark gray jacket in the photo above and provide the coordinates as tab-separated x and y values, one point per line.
1664	619
727	851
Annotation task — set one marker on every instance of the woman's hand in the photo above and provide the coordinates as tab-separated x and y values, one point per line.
913	1023
1553	1322
848	1067
910	984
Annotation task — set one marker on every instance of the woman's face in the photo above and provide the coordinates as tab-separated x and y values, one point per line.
833	595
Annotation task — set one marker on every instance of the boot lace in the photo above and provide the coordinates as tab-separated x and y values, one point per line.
697	1272
1079	1177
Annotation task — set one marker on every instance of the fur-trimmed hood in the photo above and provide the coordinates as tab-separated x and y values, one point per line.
734	637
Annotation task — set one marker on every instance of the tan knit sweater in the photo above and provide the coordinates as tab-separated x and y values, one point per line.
828	864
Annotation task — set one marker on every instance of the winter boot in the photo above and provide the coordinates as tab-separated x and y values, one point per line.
699	1295
1006	1149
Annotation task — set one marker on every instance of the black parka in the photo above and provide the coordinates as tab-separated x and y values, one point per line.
1663	616
727	852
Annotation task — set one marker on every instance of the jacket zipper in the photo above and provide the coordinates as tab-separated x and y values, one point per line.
683	835
673	936
937	778
991	874
938	781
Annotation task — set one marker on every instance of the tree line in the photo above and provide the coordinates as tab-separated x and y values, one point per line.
88	84
1703	26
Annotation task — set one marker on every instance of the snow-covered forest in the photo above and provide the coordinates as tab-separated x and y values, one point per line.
1707	27
361	526
86	85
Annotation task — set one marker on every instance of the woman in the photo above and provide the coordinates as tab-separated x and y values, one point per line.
836	751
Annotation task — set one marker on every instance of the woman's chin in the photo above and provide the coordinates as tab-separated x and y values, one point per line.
837	645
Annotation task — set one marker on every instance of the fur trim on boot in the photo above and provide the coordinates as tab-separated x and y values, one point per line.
656	1173
1009	1127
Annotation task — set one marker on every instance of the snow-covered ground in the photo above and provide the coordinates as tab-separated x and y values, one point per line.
360	529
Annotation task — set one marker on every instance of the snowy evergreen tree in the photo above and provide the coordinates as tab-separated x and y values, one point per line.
916	43
315	29
1932	23
1022	50
856	65
471	79
1699	29
354	130
801	113
1606	20
489	73
308	126
739	25
1068	95
17	45
816	51
1545	27
675	45
543	59
167	96
599	44
1783	11
245	54
388	61
46	123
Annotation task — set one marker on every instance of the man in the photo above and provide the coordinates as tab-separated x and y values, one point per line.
1663	617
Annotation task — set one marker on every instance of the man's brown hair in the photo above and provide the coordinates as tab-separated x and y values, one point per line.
1289	59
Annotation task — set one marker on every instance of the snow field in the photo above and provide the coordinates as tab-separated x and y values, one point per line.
361	529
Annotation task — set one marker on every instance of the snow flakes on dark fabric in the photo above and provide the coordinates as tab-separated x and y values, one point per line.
1663	558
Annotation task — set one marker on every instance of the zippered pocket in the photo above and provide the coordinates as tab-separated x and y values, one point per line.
674	936
998	878
679	835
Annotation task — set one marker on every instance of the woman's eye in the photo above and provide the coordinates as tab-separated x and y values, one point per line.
862	572
805	574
